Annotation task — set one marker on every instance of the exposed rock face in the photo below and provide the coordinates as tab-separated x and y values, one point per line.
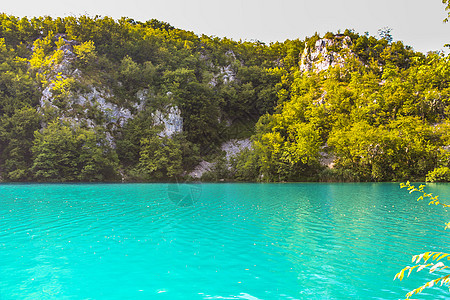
97	101
61	70
142	98
321	56
46	98
69	56
93	99
171	119
327	160
226	74
234	147
231	148
200	169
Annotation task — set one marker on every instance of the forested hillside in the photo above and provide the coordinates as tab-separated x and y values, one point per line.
97	99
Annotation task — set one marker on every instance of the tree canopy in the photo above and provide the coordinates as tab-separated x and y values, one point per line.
342	106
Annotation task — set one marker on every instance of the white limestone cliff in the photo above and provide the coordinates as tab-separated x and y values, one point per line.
320	57
171	119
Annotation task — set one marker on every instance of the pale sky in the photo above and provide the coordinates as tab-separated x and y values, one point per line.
417	23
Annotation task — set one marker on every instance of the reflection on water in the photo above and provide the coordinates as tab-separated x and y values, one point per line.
214	241
184	194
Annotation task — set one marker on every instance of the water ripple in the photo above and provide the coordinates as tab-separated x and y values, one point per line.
213	241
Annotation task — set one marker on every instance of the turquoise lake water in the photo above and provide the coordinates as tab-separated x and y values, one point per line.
215	241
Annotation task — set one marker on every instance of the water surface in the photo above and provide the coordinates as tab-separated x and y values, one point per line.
215	241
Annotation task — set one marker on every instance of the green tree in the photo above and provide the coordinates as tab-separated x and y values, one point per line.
385	33
431	260
404	148
16	135
447	8
86	55
160	158
66	152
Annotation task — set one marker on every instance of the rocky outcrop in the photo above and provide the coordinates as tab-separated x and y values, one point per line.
113	114
170	119
92	105
327	160
326	53
231	148
234	147
92	100
200	169
68	56
226	73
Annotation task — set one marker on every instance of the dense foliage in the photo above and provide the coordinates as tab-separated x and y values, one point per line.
434	261
382	115
54	71
79	99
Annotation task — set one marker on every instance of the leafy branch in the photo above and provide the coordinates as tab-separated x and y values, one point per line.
433	199
447	8
436	265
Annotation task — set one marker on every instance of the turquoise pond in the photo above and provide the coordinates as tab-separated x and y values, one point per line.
215	241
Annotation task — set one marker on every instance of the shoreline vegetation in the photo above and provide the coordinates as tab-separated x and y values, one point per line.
93	99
